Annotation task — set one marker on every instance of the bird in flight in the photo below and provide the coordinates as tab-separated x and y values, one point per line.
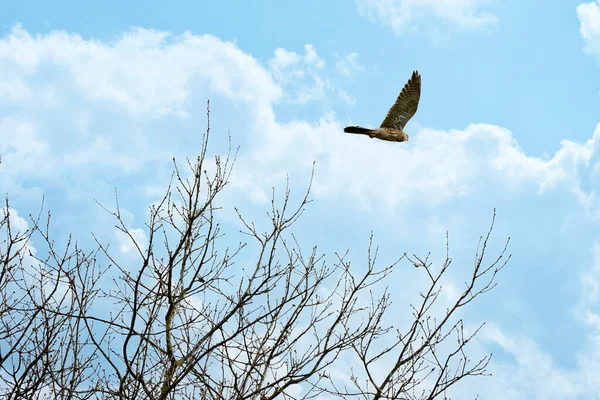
392	127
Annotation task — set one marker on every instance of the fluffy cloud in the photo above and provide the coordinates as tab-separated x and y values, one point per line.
400	15
432	167
300	76
524	370
589	16
109	95
527	372
152	74
21	147
126	244
587	310
136	72
348	65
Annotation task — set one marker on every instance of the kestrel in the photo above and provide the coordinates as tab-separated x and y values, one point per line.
392	127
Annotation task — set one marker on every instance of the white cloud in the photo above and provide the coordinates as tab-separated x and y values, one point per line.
589	16
590	294
432	167
15	90
346	97
288	64
302	78
127	244
349	65
143	75
299	75
527	371
401	15
22	148
148	72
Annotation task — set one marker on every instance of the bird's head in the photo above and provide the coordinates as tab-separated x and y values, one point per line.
403	137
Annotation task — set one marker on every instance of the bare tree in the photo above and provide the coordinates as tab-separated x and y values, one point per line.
44	351
198	319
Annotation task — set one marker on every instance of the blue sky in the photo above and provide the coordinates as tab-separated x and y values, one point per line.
101	96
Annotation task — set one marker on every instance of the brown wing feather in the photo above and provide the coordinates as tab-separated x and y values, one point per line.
406	104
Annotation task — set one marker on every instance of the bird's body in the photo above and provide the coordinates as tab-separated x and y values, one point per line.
389	134
392	127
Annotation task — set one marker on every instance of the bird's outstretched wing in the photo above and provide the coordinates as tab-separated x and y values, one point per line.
406	104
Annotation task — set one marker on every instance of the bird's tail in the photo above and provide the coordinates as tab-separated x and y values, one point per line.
357	129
